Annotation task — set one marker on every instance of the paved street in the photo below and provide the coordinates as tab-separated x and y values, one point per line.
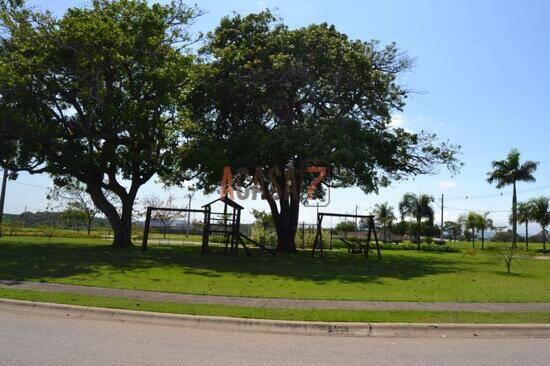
37	340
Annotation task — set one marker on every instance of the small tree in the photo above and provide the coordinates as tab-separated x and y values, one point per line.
165	217
509	256
417	207
471	222
525	215
454	229
401	228
541	215
73	197
263	224
345	227
385	216
484	223
74	218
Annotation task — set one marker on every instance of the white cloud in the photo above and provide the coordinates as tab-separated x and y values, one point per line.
445	185
398	121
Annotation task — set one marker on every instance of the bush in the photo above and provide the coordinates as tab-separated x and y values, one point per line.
428	240
423	248
440	242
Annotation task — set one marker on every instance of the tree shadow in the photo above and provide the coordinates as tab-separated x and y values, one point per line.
36	262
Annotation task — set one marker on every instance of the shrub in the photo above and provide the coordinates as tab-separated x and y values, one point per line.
428	240
423	248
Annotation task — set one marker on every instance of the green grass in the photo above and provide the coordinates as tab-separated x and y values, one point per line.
400	276
332	315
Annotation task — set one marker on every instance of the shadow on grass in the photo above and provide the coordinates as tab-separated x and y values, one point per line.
21	261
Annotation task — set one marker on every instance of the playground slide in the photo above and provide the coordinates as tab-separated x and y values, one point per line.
263	247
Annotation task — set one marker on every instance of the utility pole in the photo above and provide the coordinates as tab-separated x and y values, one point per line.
441	228
190	196
3	197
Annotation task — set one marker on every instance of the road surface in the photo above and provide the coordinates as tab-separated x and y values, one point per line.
28	339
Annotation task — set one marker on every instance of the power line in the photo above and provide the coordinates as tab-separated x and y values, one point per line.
29	184
501	194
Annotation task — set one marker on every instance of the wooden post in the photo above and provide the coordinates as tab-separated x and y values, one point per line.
146	229
376	239
371	223
205	230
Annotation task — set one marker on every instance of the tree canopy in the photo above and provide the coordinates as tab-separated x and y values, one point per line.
95	96
271	99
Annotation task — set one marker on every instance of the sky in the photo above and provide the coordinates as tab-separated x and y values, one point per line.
481	77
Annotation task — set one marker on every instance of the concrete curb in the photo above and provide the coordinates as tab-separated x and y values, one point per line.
389	330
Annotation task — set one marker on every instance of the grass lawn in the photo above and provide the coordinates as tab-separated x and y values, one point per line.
281	314
400	276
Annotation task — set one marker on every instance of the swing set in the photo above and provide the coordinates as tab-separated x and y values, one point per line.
356	245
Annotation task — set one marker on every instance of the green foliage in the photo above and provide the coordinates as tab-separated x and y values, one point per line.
541	214
270	97
422	247
453	229
95	96
505	236
508	172
401	228
509	256
345	227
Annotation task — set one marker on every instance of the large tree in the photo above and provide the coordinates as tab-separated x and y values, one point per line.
508	172
92	96
417	207
271	99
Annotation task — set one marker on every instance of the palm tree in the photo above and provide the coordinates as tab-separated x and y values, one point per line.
541	215
509	172
471	222
384	215
417	207
484	223
525	215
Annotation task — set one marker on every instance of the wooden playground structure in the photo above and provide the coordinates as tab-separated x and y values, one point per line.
356	245
223	226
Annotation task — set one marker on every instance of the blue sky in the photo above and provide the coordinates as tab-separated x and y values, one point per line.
481	74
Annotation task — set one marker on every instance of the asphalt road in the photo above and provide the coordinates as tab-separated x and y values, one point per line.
27	339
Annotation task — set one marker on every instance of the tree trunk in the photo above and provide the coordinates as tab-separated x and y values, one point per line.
473	239
89	227
482	239
286	224
385	234
3	198
419	223
121	224
514	218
